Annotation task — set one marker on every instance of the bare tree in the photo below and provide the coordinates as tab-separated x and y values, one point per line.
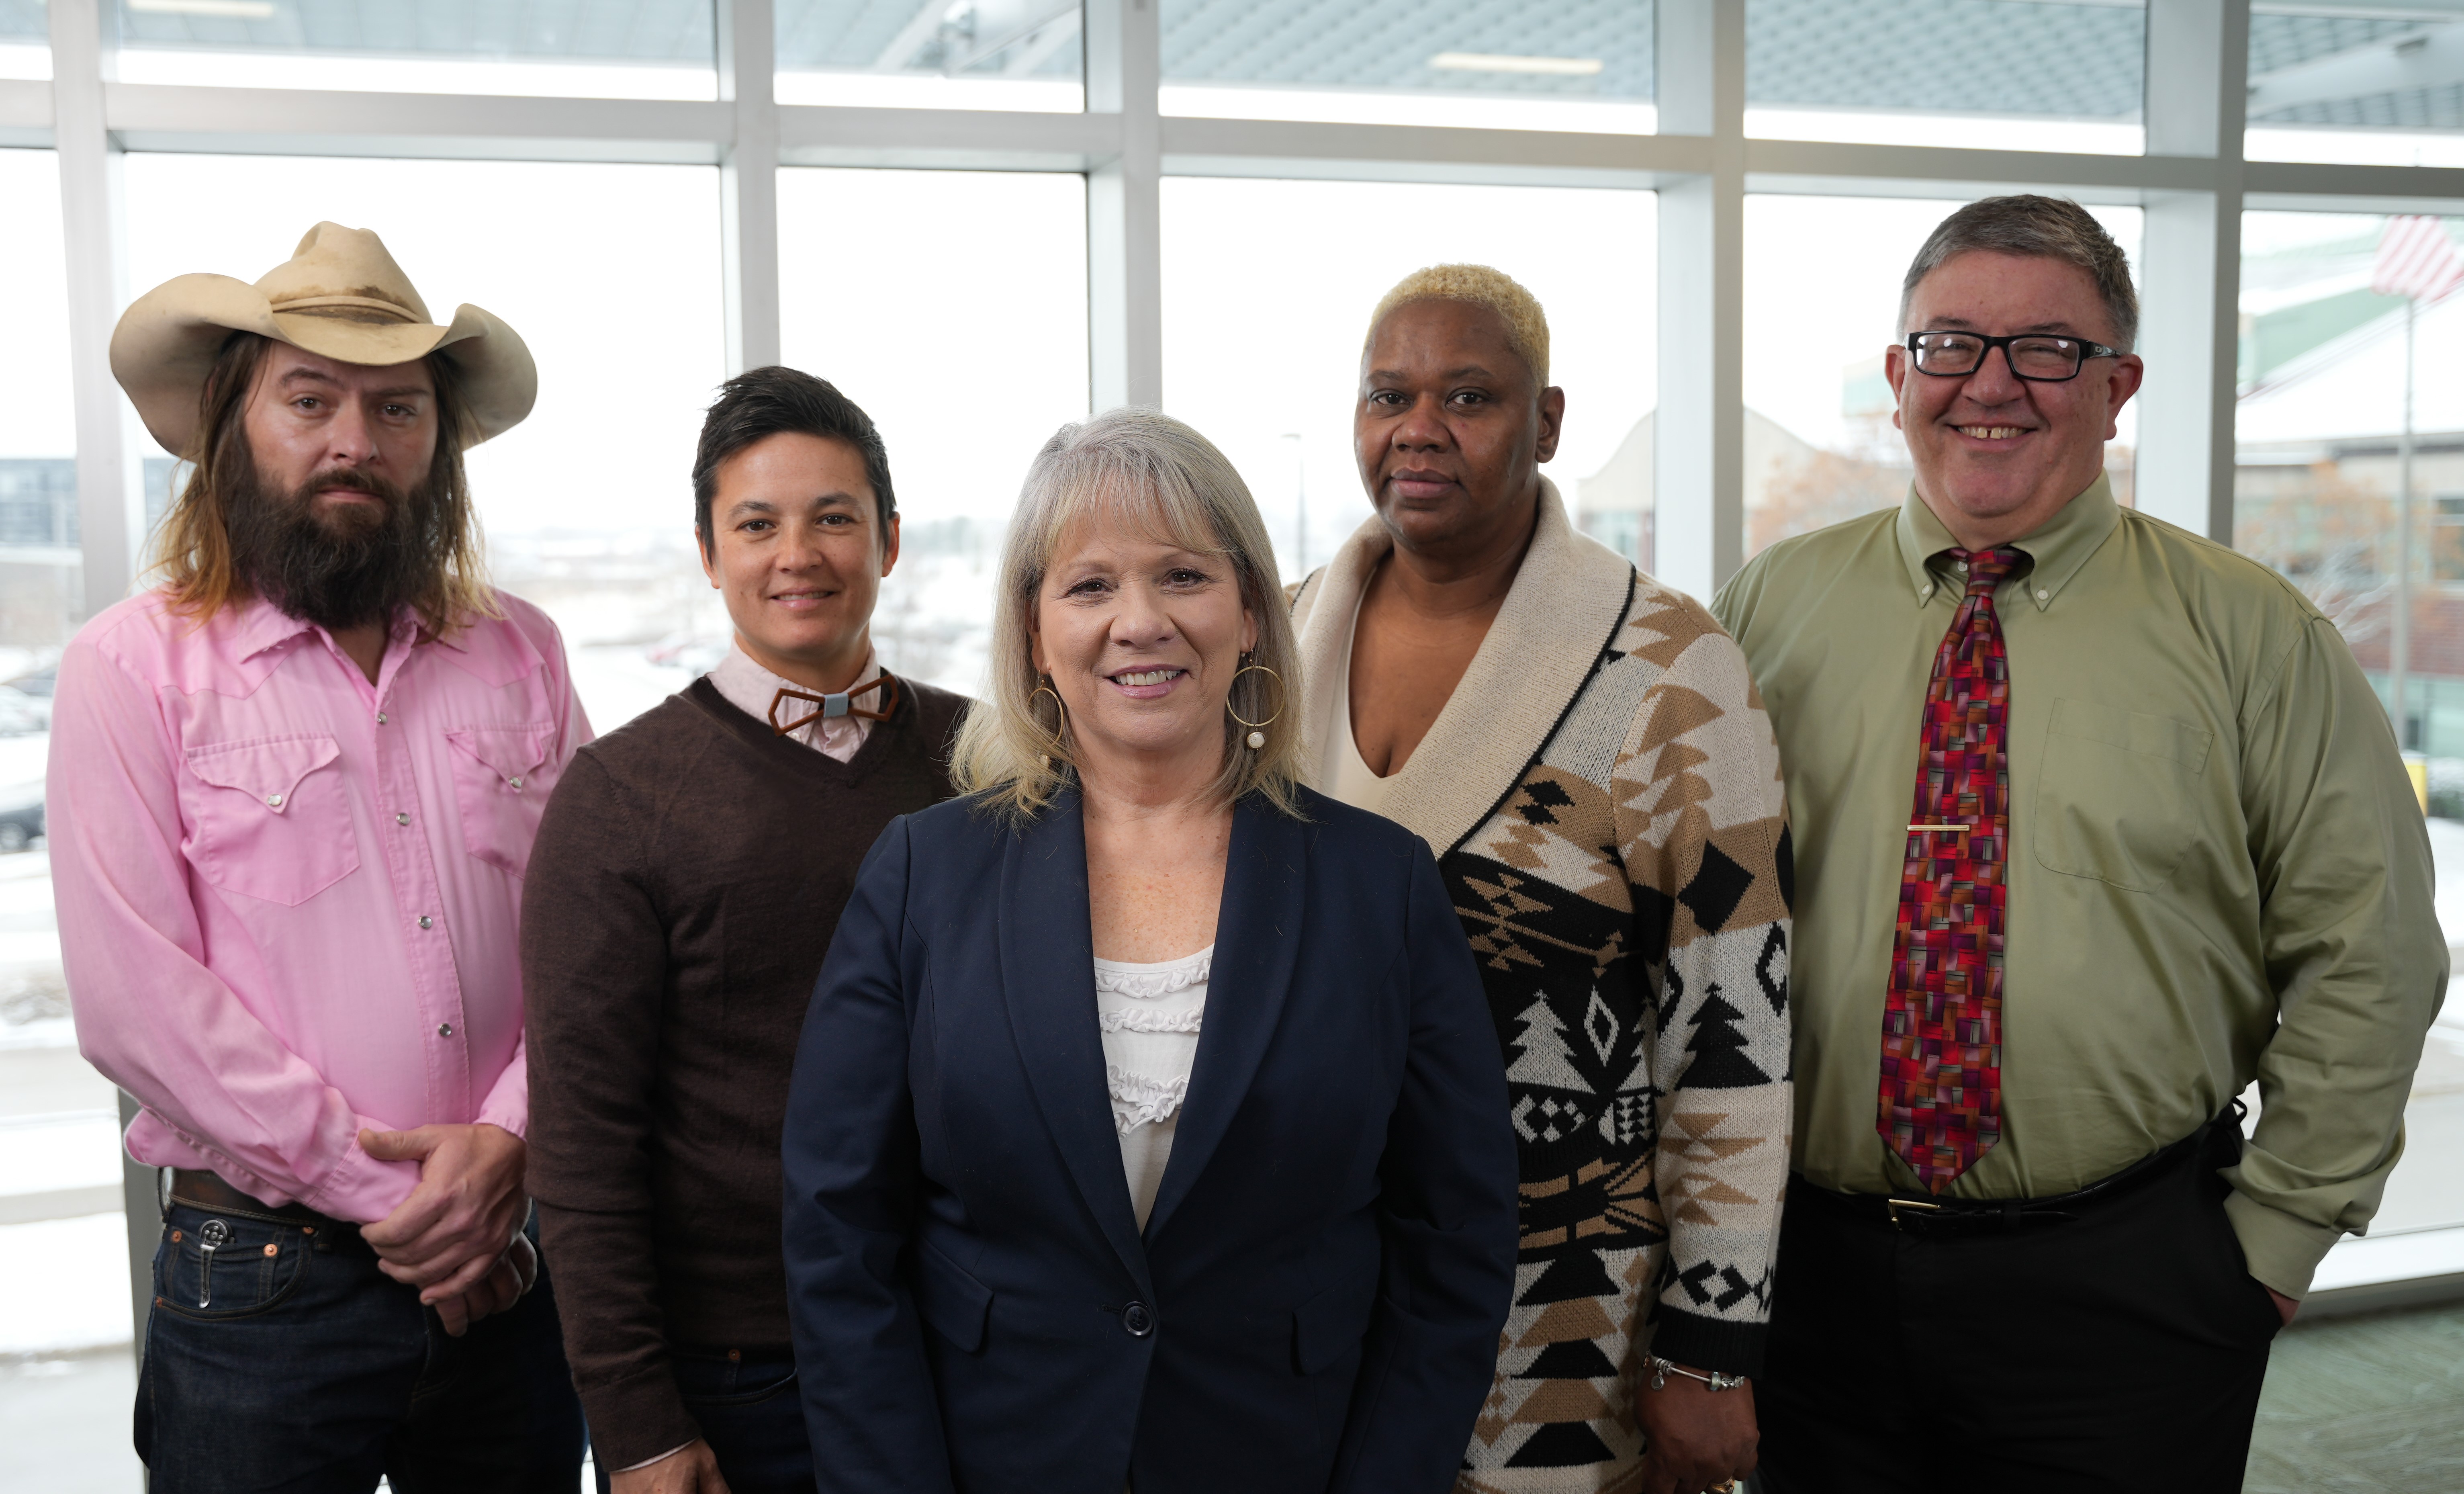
2332	538
1824	489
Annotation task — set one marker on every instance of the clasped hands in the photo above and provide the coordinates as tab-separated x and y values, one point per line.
458	1237
1695	1437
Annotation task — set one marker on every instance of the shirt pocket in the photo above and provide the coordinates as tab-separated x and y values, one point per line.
269	817
501	779
2118	792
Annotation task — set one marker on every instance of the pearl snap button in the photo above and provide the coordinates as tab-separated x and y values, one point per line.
1136	1321
426	922
518	785
401	819
274	799
445	1031
380	719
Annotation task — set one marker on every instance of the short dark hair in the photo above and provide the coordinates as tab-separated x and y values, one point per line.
2039	227
761	403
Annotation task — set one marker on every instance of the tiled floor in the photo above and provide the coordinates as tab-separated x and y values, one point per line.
2370	1405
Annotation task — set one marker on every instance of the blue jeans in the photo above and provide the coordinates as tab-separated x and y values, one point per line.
281	1358
753	1418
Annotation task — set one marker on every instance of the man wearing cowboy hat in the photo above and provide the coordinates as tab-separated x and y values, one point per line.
292	793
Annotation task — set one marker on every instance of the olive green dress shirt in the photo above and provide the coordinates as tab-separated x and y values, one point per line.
2218	870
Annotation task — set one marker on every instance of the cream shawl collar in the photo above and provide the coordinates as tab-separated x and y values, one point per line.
1557	623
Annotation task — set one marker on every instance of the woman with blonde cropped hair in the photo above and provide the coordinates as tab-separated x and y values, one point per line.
1148	1129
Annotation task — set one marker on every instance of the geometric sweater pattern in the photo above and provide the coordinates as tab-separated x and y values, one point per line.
1606	811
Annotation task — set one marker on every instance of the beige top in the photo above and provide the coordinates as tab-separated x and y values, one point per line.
1342	773
1150	1015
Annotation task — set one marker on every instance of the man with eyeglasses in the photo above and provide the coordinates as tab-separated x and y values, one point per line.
2151	841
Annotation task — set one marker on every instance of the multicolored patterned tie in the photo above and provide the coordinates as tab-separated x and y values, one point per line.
1942	1029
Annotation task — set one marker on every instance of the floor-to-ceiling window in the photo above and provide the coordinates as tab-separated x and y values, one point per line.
985	218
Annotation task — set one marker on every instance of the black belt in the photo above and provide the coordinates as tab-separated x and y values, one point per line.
1924	1215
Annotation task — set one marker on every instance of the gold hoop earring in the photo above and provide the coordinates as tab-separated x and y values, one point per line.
1258	729
1059	705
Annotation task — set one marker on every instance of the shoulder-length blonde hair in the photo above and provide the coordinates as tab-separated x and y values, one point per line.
1147	473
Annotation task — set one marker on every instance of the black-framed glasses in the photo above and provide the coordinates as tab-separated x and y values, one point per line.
2033	355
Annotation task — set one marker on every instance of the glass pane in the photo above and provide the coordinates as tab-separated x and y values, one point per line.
1268	286
39	598
596	49
63	1248
932	53
2354	87
2319	491
25	39
966	358
1499	64
1822	303
1920	73
589	503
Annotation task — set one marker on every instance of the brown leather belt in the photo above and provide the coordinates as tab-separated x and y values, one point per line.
203	1190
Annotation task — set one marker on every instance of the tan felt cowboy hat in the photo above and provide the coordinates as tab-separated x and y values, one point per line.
340	295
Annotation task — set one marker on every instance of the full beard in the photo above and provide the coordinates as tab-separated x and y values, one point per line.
355	563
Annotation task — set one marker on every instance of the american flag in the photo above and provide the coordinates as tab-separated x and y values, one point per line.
2417	259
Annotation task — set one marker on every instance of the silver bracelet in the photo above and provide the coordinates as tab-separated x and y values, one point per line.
1661	1369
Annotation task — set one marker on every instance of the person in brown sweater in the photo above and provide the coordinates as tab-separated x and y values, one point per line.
685	884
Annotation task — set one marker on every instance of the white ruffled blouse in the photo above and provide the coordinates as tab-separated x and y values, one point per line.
1149	1016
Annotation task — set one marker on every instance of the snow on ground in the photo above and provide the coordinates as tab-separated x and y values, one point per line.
47	1154
68	1284
2447	855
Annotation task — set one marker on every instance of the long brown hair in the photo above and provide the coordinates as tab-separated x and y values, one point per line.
192	549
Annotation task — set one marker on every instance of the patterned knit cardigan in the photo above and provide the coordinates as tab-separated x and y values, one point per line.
1602	792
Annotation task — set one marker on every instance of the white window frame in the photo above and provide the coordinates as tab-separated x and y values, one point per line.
2192	183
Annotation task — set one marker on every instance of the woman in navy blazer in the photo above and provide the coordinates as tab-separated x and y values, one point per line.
1015	1265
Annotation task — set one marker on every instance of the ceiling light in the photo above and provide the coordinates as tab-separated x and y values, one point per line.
221	9
1506	62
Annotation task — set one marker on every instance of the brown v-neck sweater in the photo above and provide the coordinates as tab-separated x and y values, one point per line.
686	881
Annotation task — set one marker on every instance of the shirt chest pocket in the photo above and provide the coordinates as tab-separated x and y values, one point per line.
269	817
2119	795
501	779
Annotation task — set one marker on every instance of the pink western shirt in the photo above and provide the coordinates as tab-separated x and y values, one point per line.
288	898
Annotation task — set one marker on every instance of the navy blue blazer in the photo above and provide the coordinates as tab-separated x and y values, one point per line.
1316	1299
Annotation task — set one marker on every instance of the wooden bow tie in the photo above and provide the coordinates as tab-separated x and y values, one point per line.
831	706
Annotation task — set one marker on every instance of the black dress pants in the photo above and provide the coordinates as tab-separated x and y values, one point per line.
2122	1349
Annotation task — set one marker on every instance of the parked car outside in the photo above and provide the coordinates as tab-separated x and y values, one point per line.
22	714
21	816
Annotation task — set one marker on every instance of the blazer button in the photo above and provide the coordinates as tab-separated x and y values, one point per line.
1136	1321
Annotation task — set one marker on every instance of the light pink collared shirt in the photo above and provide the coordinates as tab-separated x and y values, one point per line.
752	690
288	899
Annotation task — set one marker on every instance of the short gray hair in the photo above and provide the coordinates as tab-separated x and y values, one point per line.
1152	475
2041	228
